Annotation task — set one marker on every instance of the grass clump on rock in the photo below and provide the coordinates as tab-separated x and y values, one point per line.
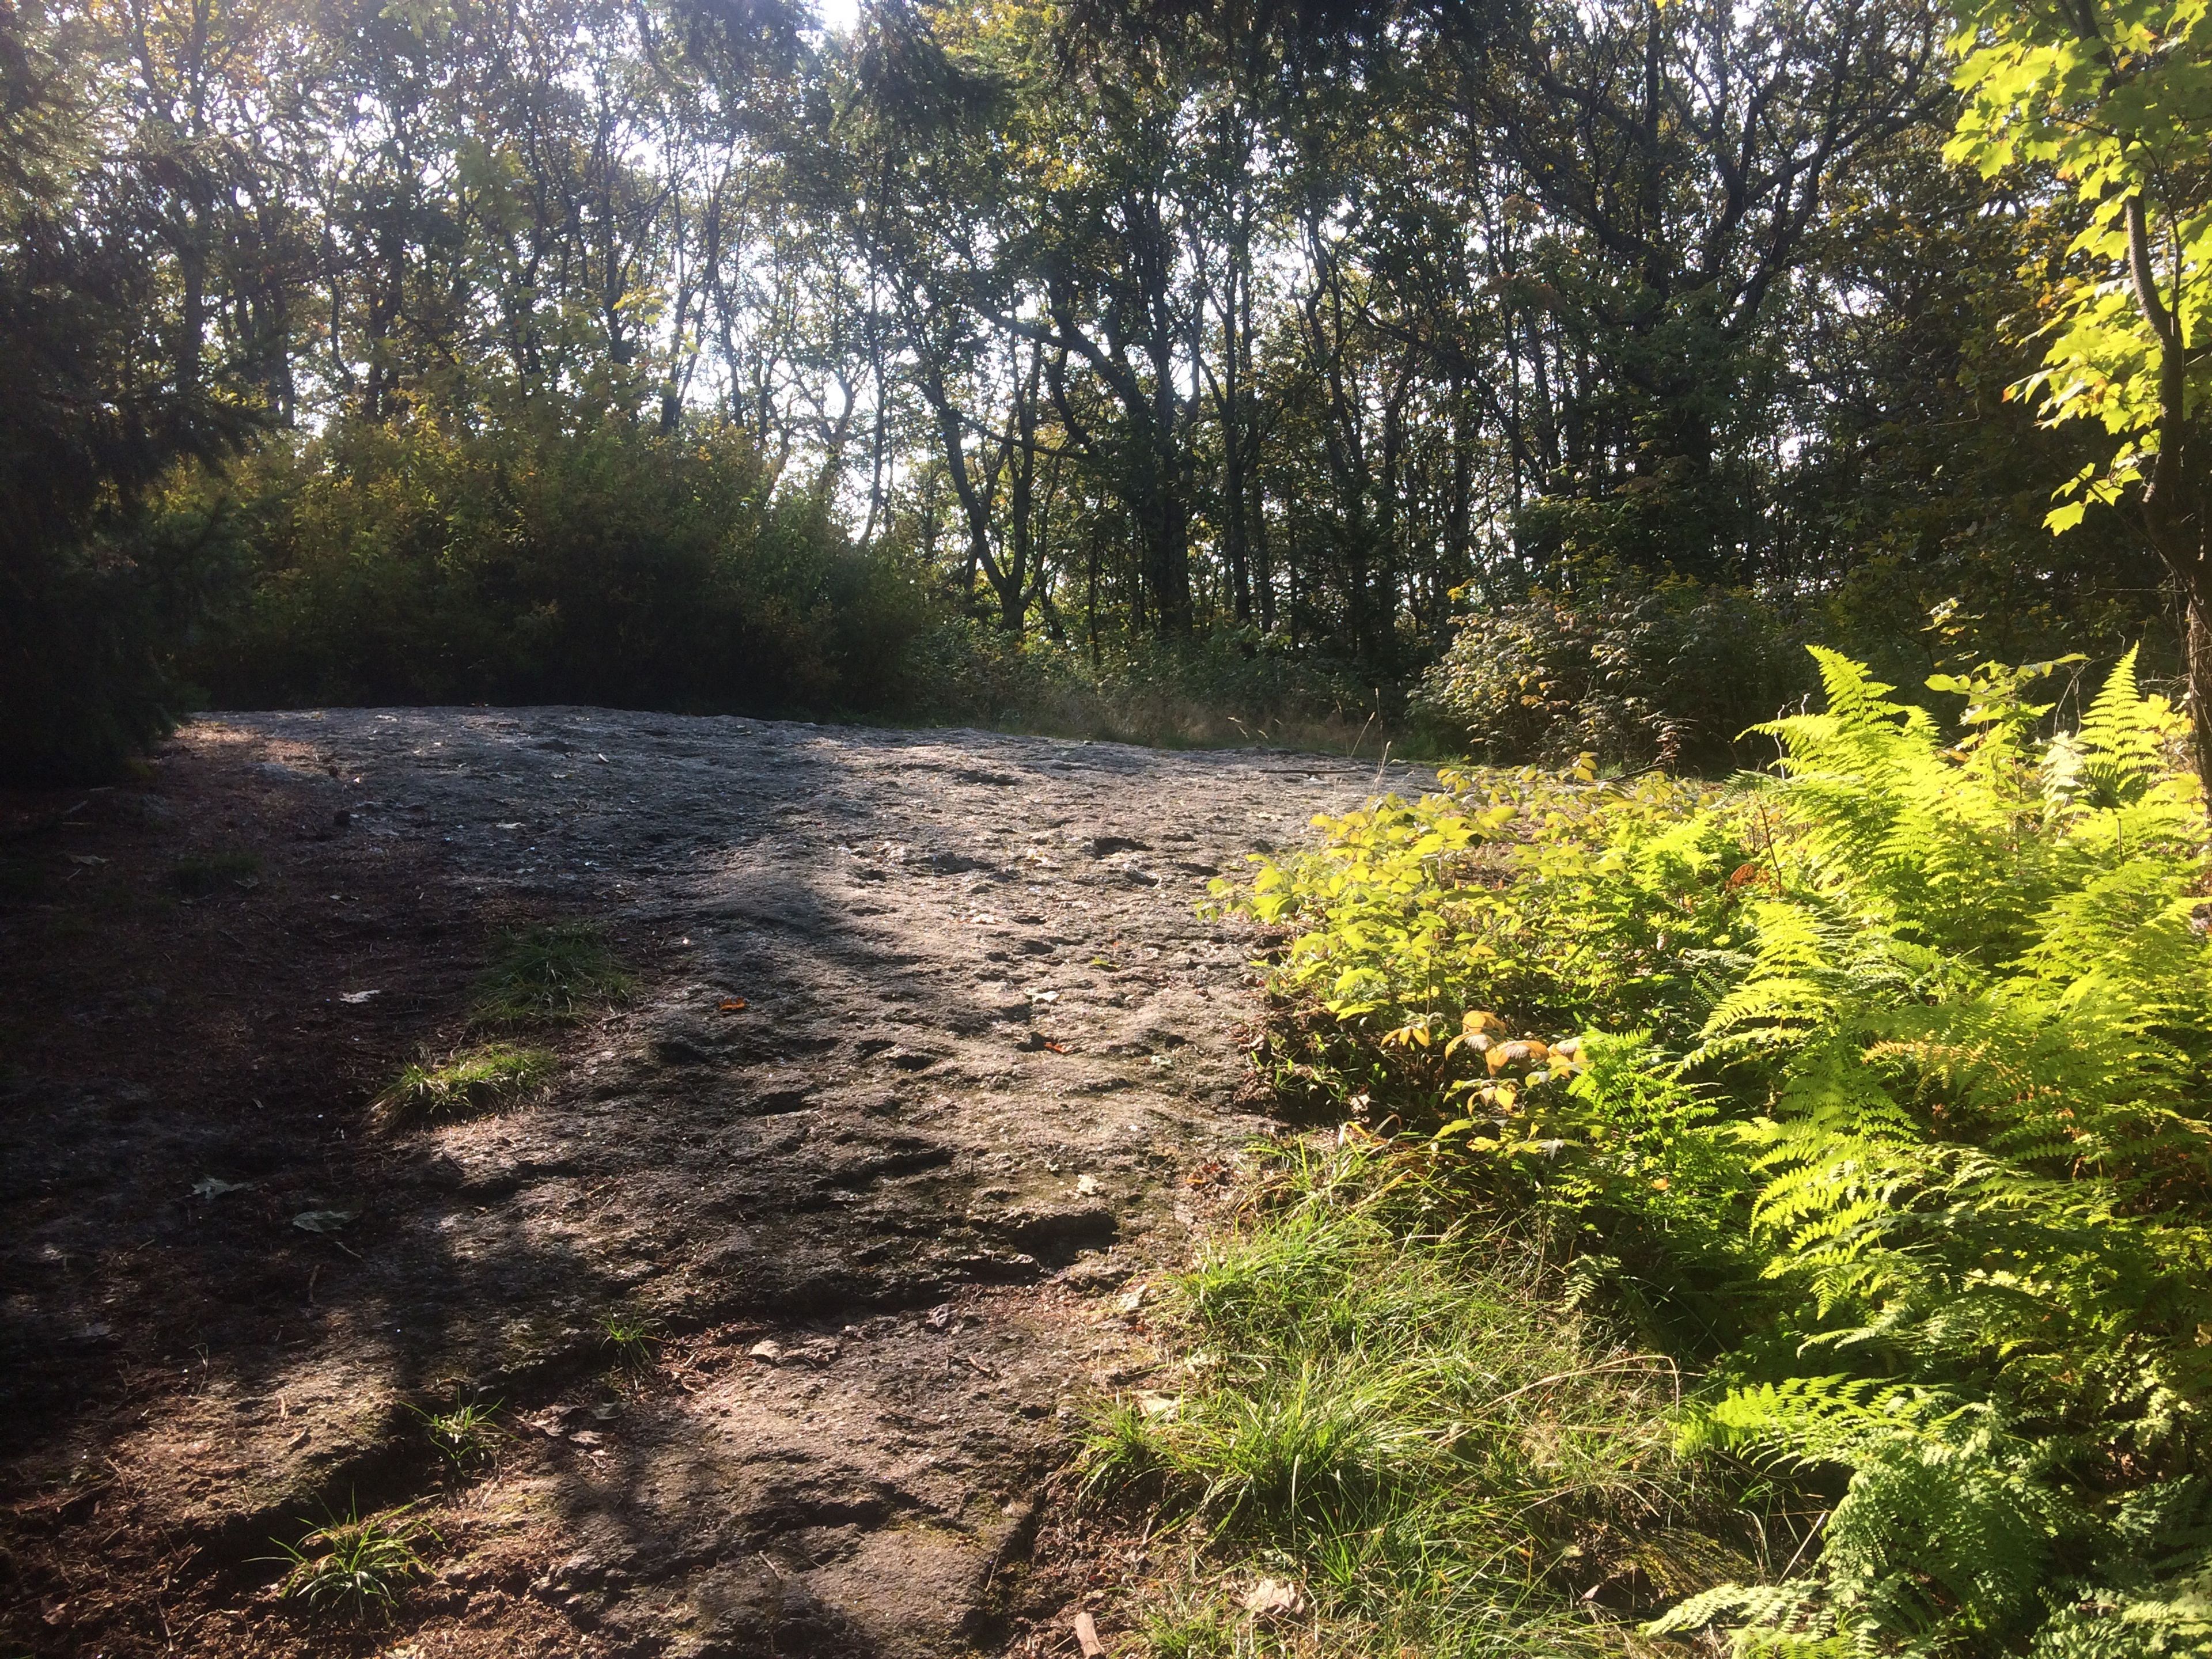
551	975
354	1563
466	1436
474	1080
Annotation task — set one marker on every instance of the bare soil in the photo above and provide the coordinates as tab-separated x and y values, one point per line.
930	1064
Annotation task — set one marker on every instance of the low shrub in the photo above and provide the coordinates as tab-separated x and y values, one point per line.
467	1436
210	873
632	1337
547	556
1607	662
1224	690
355	1564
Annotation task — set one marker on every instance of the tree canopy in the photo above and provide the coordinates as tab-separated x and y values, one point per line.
1312	329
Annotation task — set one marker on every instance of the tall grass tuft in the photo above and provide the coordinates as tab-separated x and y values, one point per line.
354	1563
1398	1414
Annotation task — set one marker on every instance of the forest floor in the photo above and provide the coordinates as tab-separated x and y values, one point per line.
930	1063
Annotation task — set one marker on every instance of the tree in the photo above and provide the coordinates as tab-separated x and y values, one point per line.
2116	96
116	213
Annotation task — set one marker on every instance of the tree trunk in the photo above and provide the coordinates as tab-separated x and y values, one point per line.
2177	499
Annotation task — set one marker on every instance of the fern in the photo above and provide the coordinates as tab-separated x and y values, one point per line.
1918	1087
1979	1015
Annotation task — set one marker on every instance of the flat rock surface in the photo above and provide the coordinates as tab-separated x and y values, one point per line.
931	1062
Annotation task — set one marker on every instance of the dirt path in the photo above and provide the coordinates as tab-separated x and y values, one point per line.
888	1214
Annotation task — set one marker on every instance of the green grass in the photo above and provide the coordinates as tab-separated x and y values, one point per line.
1409	1422
549	975
631	1336
210	873
467	1436
357	1564
474	1080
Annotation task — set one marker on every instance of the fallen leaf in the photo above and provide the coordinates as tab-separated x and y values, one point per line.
323	1221
1086	1186
1054	1047
1086	1637
1159	1405
211	1187
1273	1595
732	1004
357	997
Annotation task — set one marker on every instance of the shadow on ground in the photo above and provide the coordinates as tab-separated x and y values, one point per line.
929	1055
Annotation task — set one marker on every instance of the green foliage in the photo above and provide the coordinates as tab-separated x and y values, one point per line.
93	410
476	1080
1903	1131
1229	690
549	975
2114	96
1555	902
632	1337
1397	1414
549	555
467	1436
1609	663
355	1564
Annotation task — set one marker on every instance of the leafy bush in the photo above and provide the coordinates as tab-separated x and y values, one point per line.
78	665
1611	664
1879	1085
546	557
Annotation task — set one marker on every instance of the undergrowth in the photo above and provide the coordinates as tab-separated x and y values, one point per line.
210	873
631	1337
1230	690
1872	1091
